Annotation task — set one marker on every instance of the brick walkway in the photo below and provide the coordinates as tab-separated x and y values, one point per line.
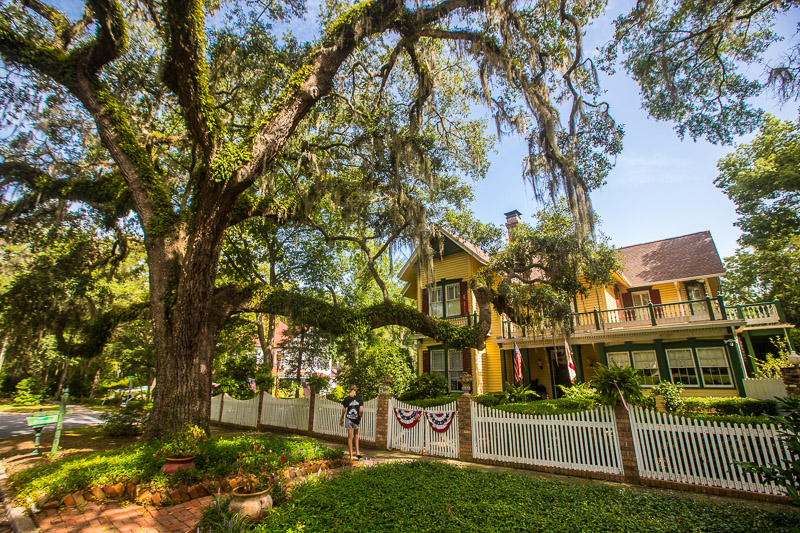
113	517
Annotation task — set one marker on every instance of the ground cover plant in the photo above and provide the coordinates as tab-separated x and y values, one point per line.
432	497
141	462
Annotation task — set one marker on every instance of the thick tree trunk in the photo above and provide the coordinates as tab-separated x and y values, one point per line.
62	379
96	380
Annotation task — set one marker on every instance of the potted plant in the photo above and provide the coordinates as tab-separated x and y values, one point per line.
255	469
180	449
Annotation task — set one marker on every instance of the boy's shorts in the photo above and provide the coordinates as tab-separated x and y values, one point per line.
349	424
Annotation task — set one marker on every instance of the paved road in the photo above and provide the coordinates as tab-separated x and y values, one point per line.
12	424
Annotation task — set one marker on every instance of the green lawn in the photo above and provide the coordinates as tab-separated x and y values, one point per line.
432	497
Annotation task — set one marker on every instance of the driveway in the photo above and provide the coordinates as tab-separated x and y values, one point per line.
13	424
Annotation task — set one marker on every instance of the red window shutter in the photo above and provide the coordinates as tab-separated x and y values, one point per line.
425	304
426	362
466	355
655	296
464	298
616	296
627	301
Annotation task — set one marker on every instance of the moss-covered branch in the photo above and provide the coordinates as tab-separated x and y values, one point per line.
336	320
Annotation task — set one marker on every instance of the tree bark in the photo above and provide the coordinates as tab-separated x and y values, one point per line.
96	380
61	379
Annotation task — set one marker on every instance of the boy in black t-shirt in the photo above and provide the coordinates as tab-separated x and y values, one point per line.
353	408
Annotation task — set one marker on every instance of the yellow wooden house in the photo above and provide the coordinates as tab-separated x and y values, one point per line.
662	315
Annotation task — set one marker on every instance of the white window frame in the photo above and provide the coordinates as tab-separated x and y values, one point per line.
656	375
694	366
724	359
642	296
436	357
435	297
456	298
610	355
454	373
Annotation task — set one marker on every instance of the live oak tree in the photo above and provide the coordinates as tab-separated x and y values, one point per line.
763	179
195	128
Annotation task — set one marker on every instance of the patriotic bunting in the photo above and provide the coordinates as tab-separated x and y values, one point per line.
408	418
440	422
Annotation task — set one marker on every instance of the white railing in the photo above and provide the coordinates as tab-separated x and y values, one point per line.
327	414
285	413
754	314
215	414
674	448
422	438
578	441
240	412
765	388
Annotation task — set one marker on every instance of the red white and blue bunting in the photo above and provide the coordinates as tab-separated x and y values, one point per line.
408	418
440	422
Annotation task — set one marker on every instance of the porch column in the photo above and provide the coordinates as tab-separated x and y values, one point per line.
663	362
382	414
464	413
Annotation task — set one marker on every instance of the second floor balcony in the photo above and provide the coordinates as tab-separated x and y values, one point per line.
653	315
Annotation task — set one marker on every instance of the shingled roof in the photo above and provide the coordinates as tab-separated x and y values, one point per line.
679	258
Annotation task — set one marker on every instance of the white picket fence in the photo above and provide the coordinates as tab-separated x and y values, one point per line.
285	413
240	412
422	438
327	414
578	441
706	453
215	407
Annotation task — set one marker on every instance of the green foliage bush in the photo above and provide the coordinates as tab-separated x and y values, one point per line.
373	363
560	406
337	394
610	381
729	406
27	392
518	394
491	399
671	392
580	392
787	474
425	386
431	496
189	441
435	402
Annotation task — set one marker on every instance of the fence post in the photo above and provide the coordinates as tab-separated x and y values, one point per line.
464	410
791	378
382	414
630	468
260	407
221	405
311	409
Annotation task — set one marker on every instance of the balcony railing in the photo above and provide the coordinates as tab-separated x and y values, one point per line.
706	310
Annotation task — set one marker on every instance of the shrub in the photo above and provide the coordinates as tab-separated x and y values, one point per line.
671	392
771	367
610	381
491	399
579	391
729	406
317	383
787	474
129	420
27	392
425	386
548	407
337	394
434	402
518	394
190	440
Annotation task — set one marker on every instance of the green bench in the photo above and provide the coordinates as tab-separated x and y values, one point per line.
38	421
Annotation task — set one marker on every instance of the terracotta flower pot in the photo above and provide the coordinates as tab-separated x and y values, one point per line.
174	464
255	505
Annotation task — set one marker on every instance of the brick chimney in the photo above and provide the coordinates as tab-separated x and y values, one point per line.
512	219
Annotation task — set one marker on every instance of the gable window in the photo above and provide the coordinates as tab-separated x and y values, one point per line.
453	296
620	359
682	367
640	298
714	367
436	304
646	363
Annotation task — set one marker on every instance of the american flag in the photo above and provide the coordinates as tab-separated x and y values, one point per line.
252	384
570	362
517	364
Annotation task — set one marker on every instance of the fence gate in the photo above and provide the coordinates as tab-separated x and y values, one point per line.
431	431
